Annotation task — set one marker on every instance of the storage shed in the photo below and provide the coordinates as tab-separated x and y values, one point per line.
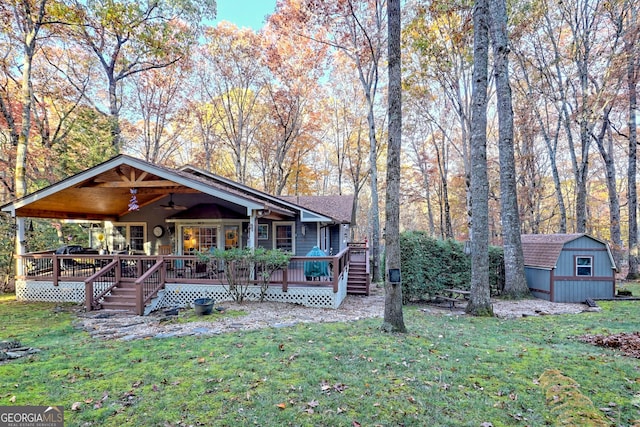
568	267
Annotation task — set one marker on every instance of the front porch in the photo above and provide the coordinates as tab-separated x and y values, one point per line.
141	283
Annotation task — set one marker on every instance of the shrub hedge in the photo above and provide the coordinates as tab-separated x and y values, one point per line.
430	265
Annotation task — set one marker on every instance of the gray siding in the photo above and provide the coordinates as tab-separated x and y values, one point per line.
539	282
584	246
305	243
580	290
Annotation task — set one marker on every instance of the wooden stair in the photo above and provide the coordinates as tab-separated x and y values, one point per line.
359	279
122	297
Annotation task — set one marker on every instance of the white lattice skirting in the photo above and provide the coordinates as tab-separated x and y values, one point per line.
45	291
185	294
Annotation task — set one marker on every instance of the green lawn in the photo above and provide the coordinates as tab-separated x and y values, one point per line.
447	371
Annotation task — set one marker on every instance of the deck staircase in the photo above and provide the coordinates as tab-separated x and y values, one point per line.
359	278
122	297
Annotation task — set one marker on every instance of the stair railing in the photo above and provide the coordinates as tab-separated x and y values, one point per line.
149	284
107	277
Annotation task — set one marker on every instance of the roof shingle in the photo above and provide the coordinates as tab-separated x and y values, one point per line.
337	207
543	250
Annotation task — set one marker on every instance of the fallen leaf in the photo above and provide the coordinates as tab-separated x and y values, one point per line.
13	399
281	405
313	403
356	424
76	406
281	347
201	360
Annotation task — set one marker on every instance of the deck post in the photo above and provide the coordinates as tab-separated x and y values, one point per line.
88	295
56	269
285	277
139	298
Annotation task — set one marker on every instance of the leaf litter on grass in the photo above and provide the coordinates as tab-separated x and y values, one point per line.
627	343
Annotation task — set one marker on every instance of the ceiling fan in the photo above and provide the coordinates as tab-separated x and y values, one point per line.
171	206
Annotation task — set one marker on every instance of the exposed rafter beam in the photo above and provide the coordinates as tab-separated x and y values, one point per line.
137	184
65	215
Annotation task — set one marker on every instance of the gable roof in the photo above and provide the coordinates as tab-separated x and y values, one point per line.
543	250
103	192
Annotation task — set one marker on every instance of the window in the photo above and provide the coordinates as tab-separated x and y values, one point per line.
584	266
263	231
129	237
231	234
200	239
283	237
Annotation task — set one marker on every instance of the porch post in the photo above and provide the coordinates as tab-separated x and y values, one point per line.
20	244
251	239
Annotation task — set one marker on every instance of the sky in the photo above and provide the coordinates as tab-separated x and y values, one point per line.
245	13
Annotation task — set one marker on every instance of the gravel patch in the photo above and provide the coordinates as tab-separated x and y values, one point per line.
123	326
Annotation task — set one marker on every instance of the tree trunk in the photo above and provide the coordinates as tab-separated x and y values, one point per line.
23	138
31	27
515	282
393	317
610	172
375	206
114	115
443	169
480	298
632	78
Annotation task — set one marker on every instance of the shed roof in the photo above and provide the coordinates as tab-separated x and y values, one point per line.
543	250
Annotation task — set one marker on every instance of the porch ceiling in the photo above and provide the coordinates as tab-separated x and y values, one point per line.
104	196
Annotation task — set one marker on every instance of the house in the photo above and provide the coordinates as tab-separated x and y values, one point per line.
140	214
568	267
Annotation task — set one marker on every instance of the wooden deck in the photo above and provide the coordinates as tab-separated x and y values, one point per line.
129	282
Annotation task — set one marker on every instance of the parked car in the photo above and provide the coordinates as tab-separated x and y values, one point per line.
72	264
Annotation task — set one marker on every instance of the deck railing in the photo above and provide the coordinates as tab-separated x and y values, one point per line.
101	273
360	249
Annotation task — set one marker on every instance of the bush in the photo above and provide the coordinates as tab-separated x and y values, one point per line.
430	265
241	265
